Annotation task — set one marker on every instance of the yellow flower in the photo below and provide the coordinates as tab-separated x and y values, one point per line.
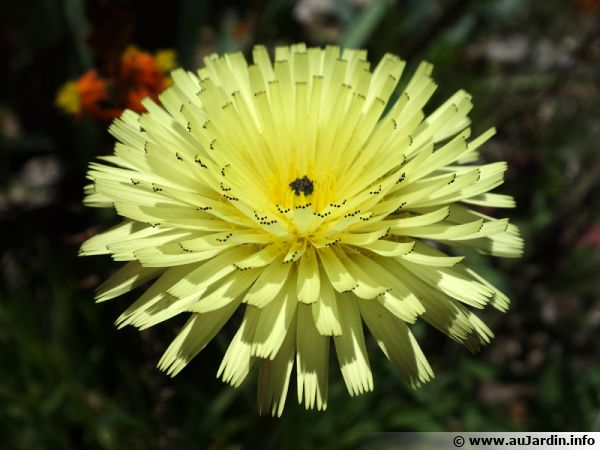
298	192
68	99
166	60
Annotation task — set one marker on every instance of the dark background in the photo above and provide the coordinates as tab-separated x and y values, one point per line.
70	380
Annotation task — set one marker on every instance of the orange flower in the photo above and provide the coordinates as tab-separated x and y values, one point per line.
86	97
133	98
139	68
139	74
93	93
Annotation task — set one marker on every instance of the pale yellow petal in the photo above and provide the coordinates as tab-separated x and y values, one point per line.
325	310
98	244
275	322
193	337
225	291
274	376
397	342
204	275
312	361
238	358
338	276
154	299
128	277
269	284
398	298
351	349
309	284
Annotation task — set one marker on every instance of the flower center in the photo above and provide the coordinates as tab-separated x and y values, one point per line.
304	185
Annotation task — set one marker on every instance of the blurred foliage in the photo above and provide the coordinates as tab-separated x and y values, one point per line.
70	380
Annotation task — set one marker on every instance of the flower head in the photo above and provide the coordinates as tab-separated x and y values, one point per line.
138	75
300	194
86	97
166	60
142	75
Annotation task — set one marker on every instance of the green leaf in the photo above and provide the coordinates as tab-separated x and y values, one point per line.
360	28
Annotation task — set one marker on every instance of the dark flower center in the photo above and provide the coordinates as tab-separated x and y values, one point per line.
304	185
